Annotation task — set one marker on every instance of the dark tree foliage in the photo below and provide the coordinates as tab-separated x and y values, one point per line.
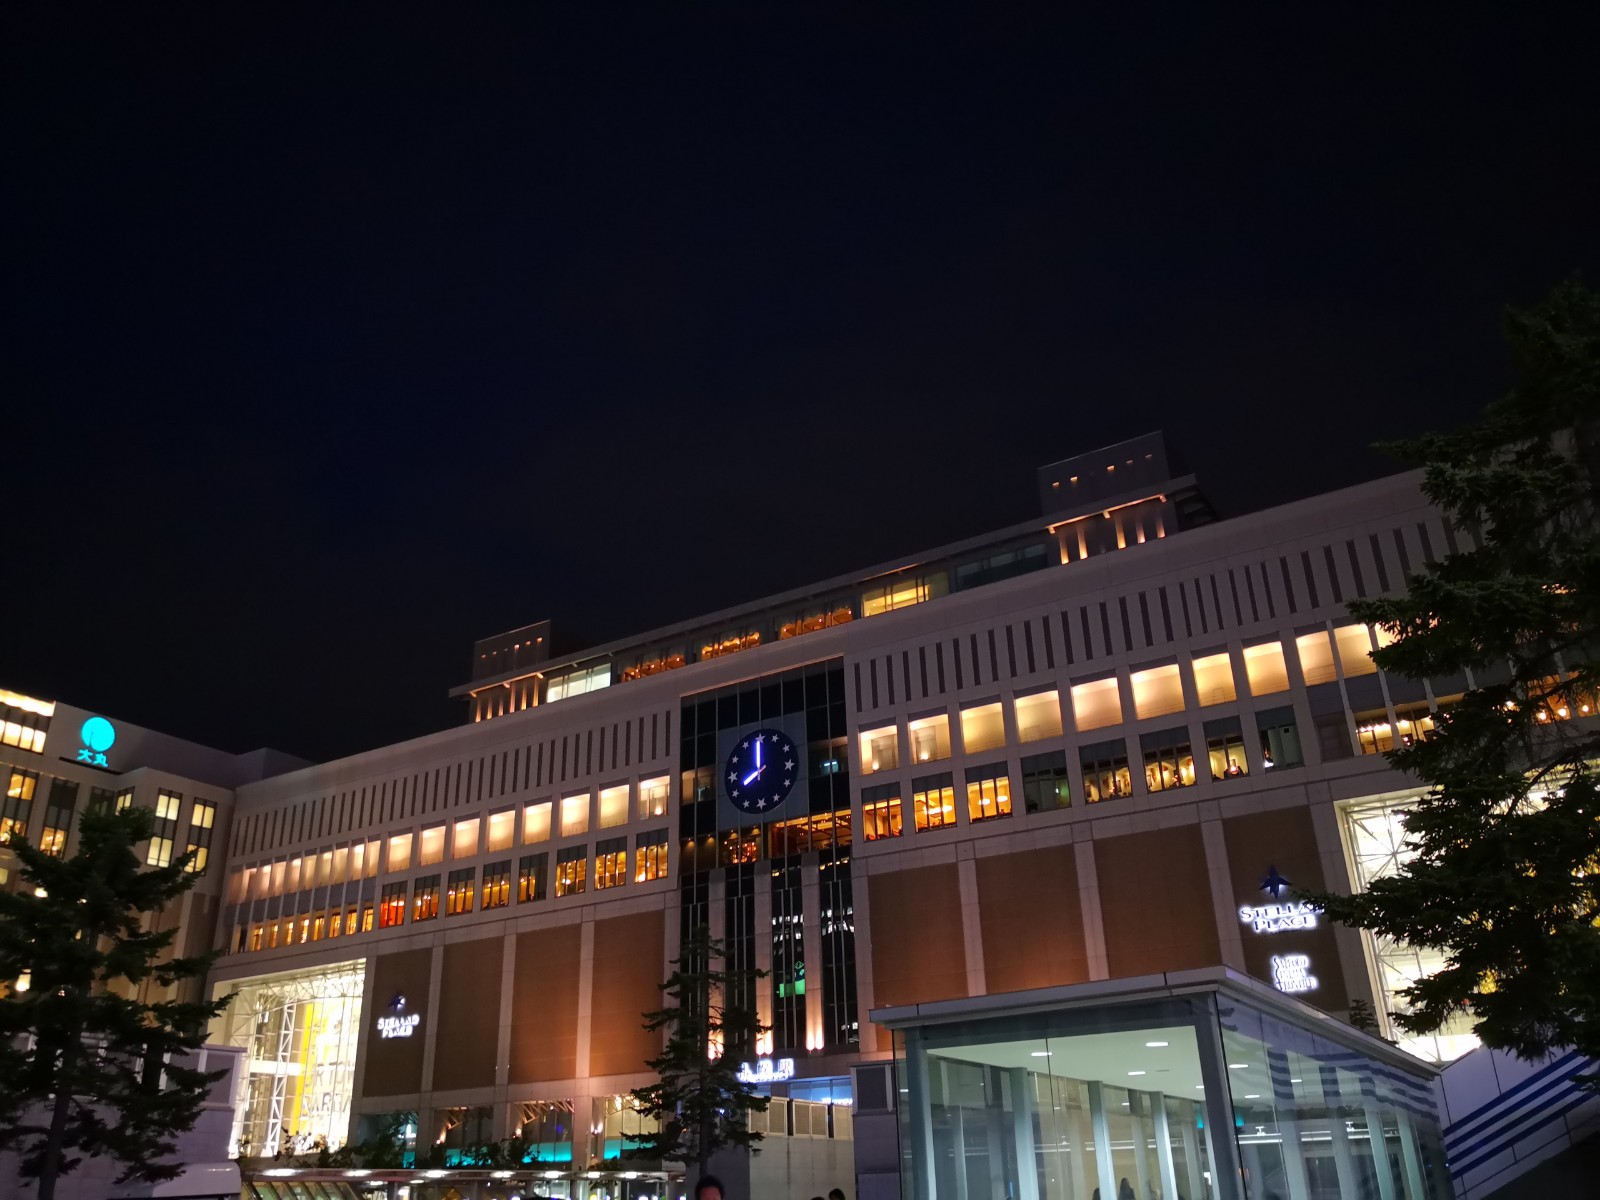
86	1069
1505	877
710	1019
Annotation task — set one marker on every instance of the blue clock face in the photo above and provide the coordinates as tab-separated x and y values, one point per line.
761	771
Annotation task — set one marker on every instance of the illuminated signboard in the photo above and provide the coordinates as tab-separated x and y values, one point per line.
1280	916
766	1070
1291	973
1277	918
98	736
400	1023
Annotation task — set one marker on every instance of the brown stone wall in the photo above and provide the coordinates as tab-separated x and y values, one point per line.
1155	902
1285	839
394	1065
629	965
544	1004
1032	920
469	1015
918	951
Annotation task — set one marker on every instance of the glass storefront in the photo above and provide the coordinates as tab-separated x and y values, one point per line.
1374	833
299	1031
1124	1101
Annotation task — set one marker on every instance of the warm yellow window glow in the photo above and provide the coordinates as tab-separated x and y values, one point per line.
1096	705
934	806
930	738
1355	650
502	829
1264	668
982	728
880	749
1038	716
465	842
613	807
575	814
653	797
988	798
903	592
1213	679
880	820
1157	692
42	708
432	845
536	822
1316	657
399	856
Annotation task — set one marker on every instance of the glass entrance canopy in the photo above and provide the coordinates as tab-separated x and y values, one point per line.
1200	1085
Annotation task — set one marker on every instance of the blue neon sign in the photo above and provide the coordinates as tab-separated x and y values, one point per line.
98	736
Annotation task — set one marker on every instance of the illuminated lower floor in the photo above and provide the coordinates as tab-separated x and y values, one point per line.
1202	1084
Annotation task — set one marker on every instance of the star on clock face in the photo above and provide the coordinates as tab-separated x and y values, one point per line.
761	770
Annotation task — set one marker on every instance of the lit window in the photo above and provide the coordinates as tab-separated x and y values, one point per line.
464	843
1316	657
988	792
1264	668
575	814
1039	716
1355	650
124	799
610	863
904	592
18	804
933	802
653	797
1213	679
460	890
578	682
531	872
650	856
1374	734
160	852
425	898
497	884
502	830
880	812
880	749
930	737
572	865
1168	762
982	728
201	820
392	905
1045	786
399	855
1225	749
59	806
1414	722
1105	771
1096	704
613	807
1280	739
432	846
536	823
1157	692
168	805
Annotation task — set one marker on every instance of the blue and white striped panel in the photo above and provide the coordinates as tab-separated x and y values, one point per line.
1545	1096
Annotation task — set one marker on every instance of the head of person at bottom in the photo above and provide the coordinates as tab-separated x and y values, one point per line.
836	1194
709	1187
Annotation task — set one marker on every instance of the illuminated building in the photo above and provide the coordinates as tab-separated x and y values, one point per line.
1101	745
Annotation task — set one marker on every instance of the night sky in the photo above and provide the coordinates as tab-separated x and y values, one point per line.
338	337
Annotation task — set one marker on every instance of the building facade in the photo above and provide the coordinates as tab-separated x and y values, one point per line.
1107	743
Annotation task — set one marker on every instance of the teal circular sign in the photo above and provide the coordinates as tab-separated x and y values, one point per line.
98	734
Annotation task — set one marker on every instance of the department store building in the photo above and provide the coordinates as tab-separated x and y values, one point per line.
1103	748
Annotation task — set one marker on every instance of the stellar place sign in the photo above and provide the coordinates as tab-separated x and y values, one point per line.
397	1027
766	1070
1278	918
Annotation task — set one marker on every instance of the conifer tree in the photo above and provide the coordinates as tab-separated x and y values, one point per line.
699	1100
1504	867
87	1069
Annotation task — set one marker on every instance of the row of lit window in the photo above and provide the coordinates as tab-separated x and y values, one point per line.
466	838
22	787
462	891
1098	704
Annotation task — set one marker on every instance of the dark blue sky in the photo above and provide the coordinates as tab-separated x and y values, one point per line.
337	338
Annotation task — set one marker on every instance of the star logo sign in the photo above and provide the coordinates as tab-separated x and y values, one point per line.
1274	884
398	1004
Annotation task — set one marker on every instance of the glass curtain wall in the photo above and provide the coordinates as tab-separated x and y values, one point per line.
299	1032
1125	1102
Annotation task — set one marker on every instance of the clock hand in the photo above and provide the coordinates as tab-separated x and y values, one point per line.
758	752
751	776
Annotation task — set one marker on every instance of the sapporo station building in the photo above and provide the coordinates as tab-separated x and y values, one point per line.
1091	755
